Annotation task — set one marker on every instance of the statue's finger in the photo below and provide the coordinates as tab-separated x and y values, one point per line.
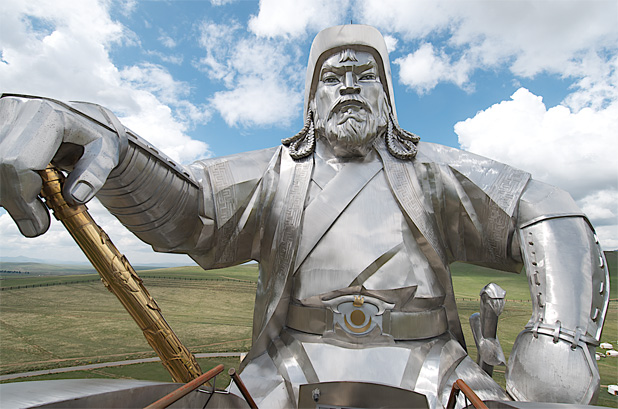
35	218
19	196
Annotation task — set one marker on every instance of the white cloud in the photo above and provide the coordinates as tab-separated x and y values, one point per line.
529	37
218	40
61	50
391	43
574	150
261	76
257	101
411	19
57	245
167	41
602	207
127	7
166	57
292	19
425	68
597	85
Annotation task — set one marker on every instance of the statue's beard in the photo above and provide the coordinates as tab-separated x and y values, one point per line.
351	126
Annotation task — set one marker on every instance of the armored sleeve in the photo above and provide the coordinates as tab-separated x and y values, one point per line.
569	288
207	209
566	268
153	197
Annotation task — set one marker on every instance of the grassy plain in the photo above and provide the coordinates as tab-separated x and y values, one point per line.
73	324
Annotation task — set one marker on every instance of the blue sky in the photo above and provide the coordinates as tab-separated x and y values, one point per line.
530	83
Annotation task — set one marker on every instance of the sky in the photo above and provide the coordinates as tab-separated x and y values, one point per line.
530	83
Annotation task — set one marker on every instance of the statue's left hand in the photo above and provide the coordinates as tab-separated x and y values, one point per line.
541	370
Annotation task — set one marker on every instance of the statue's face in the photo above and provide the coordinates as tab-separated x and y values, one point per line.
350	102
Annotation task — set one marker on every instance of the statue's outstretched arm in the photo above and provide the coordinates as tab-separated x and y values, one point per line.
151	195
553	358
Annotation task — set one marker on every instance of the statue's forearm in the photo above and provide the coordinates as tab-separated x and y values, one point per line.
153	197
567	275
553	358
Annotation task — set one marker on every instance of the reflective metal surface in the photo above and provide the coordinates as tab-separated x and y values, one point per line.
485	327
104	393
334	395
330	224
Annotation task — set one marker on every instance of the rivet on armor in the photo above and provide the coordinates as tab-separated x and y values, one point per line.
595	314
576	338
537	279
557	331
539	299
602	287
535	329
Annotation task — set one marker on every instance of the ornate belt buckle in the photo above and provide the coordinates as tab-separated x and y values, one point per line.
357	314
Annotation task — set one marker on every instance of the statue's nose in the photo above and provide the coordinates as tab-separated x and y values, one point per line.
349	84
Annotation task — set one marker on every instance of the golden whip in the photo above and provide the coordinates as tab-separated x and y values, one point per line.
120	278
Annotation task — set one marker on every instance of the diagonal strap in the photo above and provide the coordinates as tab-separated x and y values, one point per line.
330	203
375	266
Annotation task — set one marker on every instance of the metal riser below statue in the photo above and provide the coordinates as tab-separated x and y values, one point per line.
120	278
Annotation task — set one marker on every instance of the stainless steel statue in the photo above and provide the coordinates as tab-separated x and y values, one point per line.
354	223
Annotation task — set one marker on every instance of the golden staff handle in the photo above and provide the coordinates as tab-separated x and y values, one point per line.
120	278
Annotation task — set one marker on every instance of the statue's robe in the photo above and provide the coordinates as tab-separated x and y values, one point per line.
316	234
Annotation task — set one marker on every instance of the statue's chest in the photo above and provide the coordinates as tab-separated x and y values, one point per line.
369	243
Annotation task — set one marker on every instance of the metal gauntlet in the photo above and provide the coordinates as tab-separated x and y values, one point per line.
569	287
153	197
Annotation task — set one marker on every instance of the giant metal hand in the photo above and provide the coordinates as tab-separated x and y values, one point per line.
35	132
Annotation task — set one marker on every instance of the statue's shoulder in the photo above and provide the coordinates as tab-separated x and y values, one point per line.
225	171
442	154
470	165
503	183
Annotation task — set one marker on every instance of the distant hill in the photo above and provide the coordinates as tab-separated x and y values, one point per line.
45	268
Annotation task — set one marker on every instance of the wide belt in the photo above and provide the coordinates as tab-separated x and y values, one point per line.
359	318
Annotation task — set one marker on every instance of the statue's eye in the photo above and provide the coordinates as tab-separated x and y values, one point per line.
368	77
330	79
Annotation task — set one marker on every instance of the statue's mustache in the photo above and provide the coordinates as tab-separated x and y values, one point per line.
349	100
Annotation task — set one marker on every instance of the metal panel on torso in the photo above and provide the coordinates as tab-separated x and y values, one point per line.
369	244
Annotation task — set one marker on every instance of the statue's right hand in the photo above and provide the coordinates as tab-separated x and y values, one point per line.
35	132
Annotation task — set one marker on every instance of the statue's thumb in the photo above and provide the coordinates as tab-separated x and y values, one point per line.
80	187
89	174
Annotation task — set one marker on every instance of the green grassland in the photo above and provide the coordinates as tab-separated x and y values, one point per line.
246	272
82	323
